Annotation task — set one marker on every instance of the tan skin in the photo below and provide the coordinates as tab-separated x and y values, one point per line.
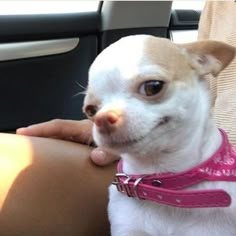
50	186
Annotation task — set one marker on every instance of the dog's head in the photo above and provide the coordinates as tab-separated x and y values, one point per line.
143	89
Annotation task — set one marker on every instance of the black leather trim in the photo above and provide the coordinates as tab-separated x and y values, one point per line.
48	26
39	89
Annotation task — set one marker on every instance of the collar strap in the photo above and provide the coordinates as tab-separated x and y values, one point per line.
178	198
168	188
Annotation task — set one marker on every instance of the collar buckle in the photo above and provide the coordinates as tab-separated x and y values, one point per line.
122	186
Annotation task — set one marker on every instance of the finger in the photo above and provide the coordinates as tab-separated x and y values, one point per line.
102	158
80	131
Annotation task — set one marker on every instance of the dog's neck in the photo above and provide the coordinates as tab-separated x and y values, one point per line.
188	146
188	153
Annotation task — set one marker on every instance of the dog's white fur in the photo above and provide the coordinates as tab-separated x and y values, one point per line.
168	132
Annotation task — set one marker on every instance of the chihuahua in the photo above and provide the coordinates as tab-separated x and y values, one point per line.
150	104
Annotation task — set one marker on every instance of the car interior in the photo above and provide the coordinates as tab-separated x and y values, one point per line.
44	58
45	55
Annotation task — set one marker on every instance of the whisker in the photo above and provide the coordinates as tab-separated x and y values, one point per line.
81	92
80	85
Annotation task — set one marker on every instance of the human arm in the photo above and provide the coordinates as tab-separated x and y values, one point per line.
51	187
71	130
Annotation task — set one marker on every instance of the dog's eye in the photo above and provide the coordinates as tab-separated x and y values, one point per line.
151	87
91	110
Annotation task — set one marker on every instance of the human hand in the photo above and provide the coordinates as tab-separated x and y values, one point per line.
70	130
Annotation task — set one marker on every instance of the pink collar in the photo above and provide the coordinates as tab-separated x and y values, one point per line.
167	188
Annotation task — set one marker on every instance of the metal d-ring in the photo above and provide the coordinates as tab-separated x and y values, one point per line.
136	183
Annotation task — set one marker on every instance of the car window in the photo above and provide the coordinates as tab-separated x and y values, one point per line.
187	13
195	5
20	7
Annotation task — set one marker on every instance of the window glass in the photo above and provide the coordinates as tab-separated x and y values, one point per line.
183	36
19	7
186	36
188	4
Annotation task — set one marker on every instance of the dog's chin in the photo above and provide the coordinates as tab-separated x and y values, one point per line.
120	145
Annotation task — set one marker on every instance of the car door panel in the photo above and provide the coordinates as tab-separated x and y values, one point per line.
44	87
48	26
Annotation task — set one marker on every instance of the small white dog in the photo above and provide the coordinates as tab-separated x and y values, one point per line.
150	104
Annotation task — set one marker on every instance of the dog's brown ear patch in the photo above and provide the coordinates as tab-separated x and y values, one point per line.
209	57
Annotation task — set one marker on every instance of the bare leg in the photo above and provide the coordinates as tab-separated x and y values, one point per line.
130	233
50	187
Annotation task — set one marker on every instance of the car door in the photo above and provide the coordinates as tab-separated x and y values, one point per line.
46	48
45	54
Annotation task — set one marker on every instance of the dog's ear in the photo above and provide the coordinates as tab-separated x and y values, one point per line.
209	57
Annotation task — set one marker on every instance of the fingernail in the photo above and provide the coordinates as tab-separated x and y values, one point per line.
99	157
20	129
24	130
30	126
